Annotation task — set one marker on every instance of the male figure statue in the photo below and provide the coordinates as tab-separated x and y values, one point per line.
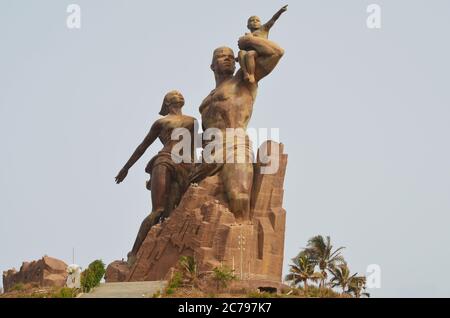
230	105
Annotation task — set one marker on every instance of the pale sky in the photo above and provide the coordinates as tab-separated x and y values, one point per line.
363	113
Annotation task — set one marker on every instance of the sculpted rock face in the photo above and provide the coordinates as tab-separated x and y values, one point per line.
46	272
204	227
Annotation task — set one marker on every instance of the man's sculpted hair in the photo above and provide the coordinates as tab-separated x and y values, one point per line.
253	16
216	51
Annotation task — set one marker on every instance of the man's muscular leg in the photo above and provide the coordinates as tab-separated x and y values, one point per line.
160	185
237	179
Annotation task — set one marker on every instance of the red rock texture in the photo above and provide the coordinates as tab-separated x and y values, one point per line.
46	272
117	271
202	226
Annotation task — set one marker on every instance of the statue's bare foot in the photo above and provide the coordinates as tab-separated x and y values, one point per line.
251	78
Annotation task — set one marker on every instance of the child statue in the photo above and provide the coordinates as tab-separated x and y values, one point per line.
247	58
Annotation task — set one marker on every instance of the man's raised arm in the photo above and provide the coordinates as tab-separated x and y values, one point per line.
269	53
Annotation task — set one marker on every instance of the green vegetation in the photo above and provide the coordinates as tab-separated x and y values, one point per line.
350	284
318	271
92	276
302	270
170	291
185	276
157	294
65	292
222	275
176	281
189	271
186	279
34	291
319	254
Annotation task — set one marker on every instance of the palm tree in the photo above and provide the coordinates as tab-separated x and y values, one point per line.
342	277
357	285
321	250
302	270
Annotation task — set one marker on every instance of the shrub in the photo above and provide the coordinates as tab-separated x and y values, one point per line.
65	292
170	291
92	276
176	280
157	294
98	269
223	276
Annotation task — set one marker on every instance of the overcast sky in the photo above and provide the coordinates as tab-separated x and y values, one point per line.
363	113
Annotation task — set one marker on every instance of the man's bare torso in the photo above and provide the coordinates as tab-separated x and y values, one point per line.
230	105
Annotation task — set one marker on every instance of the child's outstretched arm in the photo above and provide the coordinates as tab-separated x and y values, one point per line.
275	17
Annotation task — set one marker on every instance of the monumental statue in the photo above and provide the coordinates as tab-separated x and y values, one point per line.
222	209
